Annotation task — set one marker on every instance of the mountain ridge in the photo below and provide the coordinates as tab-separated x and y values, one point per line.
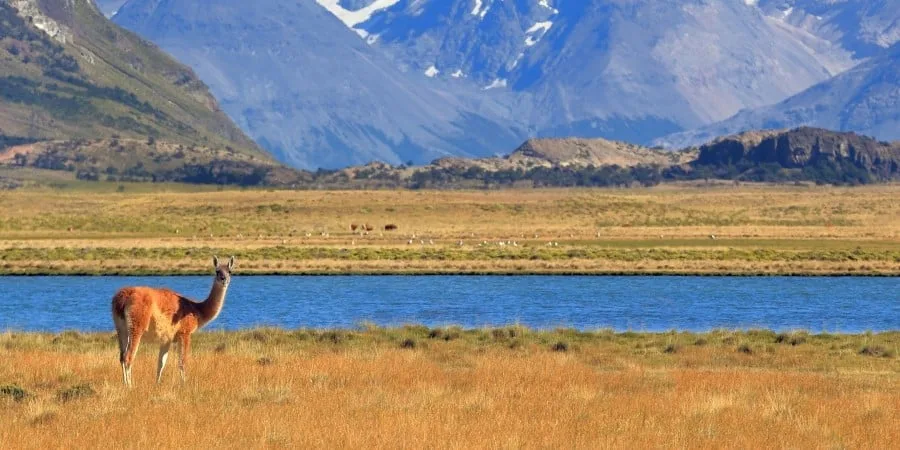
864	99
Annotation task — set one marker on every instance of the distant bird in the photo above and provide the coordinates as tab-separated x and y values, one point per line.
430	242
460	243
713	237
409	242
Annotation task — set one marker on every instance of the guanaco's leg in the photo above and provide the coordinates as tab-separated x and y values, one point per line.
122	337
184	349
134	342
161	363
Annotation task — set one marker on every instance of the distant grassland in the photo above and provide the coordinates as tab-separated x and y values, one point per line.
419	387
663	230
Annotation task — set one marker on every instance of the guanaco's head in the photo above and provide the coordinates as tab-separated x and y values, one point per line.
223	271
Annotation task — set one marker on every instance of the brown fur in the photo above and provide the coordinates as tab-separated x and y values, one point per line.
166	316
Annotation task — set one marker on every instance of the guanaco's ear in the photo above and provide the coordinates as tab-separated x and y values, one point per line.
216	262
231	263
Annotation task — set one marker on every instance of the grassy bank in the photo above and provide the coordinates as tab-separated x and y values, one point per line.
468	388
749	230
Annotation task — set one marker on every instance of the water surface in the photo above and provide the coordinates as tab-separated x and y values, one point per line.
849	304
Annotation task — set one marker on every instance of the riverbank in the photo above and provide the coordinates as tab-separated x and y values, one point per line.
749	230
422	387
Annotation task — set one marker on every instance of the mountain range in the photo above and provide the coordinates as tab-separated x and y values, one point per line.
331	83
334	83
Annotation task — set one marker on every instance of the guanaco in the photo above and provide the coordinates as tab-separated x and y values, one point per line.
167	316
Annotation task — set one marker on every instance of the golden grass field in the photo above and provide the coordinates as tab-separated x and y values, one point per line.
415	387
663	230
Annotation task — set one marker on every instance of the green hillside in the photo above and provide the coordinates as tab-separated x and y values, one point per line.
70	76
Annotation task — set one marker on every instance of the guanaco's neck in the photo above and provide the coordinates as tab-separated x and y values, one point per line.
209	309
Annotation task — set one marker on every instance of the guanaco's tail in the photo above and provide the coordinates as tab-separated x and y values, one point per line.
120	301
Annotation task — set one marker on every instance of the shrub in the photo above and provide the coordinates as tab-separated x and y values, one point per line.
14	392
790	338
265	361
75	392
560	346
876	350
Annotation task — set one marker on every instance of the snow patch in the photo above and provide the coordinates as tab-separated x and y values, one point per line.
354	18
751	2
787	13
516	62
432	71
546	4
458	74
534	34
480	9
497	83
477	9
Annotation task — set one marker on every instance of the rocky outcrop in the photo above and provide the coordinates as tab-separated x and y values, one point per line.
804	147
589	152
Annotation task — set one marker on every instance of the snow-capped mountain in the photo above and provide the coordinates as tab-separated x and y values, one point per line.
311	91
624	70
325	83
864	99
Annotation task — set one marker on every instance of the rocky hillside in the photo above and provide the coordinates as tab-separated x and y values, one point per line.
819	154
861	27
70	76
802	155
579	152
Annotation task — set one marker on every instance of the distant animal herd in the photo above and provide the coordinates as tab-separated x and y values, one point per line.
365	227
